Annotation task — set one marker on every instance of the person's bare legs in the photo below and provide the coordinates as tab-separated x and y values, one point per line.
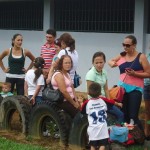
147	117
102	148
93	148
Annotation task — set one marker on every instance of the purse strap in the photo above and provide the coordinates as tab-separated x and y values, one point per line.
132	64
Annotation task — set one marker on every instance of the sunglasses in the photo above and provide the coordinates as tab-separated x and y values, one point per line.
126	45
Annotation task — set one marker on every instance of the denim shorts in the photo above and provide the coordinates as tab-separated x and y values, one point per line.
147	92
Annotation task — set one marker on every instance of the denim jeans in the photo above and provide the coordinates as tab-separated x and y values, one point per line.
18	82
38	99
114	110
131	107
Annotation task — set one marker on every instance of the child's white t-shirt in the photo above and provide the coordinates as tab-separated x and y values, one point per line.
96	111
29	78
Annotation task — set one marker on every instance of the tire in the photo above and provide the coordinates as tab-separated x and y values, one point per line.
47	116
15	111
78	138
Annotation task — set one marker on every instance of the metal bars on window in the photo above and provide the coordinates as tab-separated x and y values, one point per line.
21	15
95	16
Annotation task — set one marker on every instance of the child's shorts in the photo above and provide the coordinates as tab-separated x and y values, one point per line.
147	92
99	143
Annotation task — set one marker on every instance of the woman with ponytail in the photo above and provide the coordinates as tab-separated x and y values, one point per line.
34	81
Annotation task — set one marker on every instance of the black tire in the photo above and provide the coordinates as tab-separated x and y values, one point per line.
45	113
15	111
78	138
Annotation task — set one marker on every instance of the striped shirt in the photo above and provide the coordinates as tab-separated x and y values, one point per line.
130	83
48	52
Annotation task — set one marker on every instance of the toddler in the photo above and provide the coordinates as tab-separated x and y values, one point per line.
6	88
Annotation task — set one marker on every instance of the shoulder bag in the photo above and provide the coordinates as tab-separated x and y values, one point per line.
52	95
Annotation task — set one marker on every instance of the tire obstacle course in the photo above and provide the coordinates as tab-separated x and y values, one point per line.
34	121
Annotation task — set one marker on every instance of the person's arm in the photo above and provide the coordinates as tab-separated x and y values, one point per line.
113	62
31	57
2	55
25	88
146	67
106	90
88	82
51	70
59	78
38	87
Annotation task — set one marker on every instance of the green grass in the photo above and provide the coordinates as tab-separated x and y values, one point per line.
6	144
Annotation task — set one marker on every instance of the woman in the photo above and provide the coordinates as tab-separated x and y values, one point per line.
99	75
147	104
61	80
68	46
134	67
15	72
34	81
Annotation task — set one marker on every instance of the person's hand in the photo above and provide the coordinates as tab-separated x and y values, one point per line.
32	100
130	72
119	104
24	70
6	70
48	80
76	105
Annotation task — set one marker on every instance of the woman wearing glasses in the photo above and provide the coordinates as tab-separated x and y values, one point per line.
134	67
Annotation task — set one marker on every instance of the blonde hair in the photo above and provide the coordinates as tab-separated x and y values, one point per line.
82	96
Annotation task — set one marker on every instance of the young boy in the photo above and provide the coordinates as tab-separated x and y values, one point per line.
6	88
96	109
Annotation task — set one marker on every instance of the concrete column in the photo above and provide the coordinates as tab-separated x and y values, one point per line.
140	23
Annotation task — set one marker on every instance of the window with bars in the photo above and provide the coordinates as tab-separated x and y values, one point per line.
110	16
21	15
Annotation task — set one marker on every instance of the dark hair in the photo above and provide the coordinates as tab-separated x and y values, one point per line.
60	63
97	54
52	32
38	64
57	42
14	37
68	40
133	38
94	90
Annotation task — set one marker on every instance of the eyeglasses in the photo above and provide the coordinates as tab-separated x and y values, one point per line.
126	45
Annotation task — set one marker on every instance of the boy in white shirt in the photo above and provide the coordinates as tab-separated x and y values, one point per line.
96	109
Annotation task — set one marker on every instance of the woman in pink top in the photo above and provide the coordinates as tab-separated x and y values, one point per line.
61	80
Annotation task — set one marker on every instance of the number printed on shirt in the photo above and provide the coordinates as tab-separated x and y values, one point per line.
101	117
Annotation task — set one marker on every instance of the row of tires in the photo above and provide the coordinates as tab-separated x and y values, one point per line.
45	119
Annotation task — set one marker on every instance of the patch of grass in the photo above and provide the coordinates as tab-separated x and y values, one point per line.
6	144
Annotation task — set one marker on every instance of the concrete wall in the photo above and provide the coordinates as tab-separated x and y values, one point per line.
86	45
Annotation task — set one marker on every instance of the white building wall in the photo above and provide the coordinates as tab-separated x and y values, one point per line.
86	43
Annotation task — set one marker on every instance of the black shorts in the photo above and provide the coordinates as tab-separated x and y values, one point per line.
99	143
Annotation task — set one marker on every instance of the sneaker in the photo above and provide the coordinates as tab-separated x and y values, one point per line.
46	133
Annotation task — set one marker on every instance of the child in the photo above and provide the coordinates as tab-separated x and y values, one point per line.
6	88
81	99
57	48
34	81
96	109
